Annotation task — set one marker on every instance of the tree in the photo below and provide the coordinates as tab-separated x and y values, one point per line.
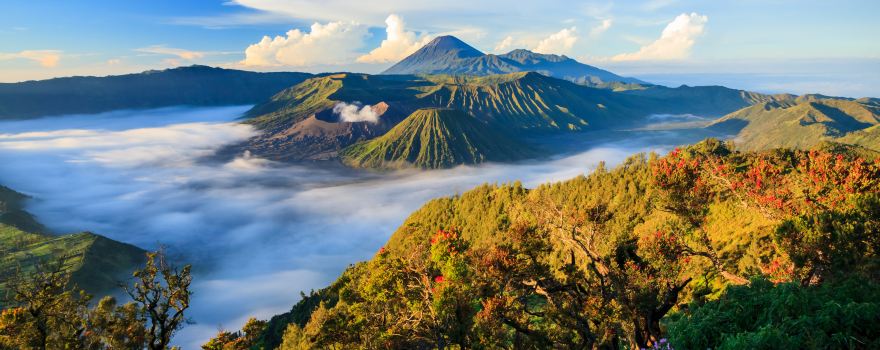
46	312
162	292
246	338
115	326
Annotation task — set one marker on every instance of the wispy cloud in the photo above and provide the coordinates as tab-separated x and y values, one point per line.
654	5
46	58
178	56
233	20
602	27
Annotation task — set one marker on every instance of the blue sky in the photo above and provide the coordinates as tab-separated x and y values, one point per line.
826	46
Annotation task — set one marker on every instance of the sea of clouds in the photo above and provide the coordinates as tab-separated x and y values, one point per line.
258	232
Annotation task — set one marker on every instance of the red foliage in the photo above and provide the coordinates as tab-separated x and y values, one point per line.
451	238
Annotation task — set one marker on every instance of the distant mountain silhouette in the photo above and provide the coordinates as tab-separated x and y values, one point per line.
449	55
192	86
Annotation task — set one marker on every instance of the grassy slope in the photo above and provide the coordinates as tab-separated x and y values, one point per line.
95	262
530	101
802	123
868	138
435	138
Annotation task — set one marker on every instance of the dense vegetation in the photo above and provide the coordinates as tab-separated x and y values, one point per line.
705	247
183	86
435	138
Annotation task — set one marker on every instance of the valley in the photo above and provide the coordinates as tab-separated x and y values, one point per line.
455	199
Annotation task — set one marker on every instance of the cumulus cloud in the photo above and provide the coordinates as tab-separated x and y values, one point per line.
46	58
330	43
505	44
601	28
353	113
398	43
559	43
674	43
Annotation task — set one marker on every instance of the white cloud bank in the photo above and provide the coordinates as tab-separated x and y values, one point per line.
674	43
559	43
46	58
331	43
397	44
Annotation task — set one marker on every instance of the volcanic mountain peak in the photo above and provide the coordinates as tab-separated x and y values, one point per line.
449	55
451	44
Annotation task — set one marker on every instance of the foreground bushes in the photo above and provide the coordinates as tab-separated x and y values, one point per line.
839	315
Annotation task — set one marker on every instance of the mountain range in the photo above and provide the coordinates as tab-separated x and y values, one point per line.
449	55
521	94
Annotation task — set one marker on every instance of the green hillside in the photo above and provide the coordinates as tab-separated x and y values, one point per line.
435	138
517	101
95	262
702	248
803	122
531	102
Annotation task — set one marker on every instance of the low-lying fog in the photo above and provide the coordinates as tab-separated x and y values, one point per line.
258	232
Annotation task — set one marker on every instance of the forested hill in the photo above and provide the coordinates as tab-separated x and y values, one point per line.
705	247
189	86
